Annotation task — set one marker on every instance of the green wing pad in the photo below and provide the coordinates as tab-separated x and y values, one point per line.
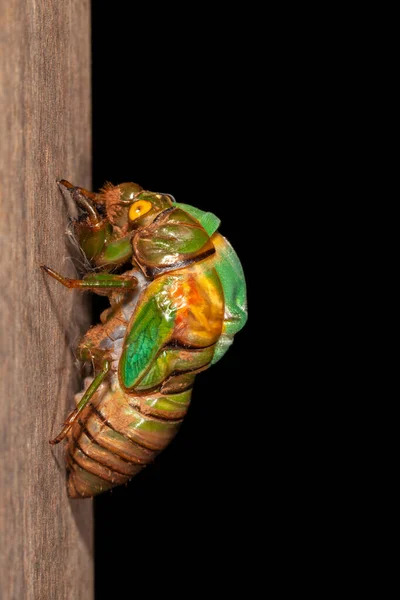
175	359
153	324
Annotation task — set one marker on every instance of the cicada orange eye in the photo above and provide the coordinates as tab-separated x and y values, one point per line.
139	208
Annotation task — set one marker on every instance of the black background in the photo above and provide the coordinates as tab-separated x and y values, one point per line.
172	111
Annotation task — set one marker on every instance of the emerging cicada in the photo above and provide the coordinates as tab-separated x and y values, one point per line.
177	295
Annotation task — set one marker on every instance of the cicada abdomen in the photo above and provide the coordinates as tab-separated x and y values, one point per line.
172	315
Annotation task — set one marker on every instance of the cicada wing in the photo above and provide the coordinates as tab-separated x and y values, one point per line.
151	327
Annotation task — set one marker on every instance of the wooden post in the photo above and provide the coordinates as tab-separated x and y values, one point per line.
45	538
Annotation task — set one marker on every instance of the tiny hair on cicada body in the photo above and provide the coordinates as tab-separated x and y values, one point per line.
177	297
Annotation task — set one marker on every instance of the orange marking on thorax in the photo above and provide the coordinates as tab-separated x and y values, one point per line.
186	296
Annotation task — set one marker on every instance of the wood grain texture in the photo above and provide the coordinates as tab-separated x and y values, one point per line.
45	538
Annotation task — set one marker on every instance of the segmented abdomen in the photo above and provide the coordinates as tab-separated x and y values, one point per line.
113	440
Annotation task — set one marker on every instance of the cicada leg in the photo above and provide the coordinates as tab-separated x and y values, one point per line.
94	281
93	387
83	198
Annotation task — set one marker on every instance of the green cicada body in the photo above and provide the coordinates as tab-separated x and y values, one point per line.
177	295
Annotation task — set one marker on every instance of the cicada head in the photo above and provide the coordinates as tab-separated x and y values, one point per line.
110	218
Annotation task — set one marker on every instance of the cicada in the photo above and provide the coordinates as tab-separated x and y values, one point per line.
177	297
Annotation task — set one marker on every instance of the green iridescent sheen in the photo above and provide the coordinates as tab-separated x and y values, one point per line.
154	322
93	243
230	272
231	275
170	238
171	402
116	252
208	220
175	359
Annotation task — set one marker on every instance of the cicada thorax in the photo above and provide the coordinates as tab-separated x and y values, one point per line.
174	240
157	339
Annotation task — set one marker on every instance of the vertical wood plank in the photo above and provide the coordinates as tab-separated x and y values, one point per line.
45	538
